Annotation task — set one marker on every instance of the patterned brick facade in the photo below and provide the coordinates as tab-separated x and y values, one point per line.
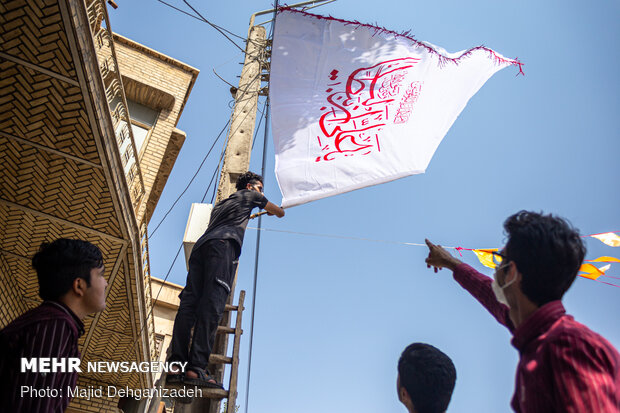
163	84
63	172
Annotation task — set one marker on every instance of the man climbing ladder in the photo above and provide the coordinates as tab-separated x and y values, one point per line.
212	266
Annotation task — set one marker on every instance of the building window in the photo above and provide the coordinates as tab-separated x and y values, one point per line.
143	119
159	342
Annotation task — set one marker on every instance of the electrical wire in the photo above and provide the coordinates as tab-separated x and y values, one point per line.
229	123
215	25
258	233
260	121
221	30
156	297
255	282
179	10
223	80
181	246
217	168
202	19
191	180
226	144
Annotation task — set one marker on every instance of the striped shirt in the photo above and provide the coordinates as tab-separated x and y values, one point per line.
49	330
564	366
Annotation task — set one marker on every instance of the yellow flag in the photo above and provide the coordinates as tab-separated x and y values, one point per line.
605	259
591	272
609	238
485	256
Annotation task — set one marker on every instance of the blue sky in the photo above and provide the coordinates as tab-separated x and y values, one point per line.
333	315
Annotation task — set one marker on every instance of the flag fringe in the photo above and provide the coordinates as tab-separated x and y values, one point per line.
443	60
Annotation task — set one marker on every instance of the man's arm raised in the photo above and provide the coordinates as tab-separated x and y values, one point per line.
477	284
273	209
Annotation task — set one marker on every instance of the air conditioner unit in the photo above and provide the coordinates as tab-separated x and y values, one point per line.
197	224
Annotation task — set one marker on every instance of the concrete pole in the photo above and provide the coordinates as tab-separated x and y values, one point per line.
237	156
236	161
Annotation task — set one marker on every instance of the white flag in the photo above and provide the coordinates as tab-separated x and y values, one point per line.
355	105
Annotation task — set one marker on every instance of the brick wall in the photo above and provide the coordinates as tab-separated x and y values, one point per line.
104	404
12	303
162	83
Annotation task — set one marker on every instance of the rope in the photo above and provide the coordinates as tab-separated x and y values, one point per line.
458	249
369	239
347	237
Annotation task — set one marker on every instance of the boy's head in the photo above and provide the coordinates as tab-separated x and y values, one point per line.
426	379
67	266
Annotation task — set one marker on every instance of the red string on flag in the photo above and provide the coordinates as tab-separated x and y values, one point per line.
443	60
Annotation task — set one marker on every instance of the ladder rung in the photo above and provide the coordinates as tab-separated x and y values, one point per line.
214	393
219	359
227	330
207	393
230	307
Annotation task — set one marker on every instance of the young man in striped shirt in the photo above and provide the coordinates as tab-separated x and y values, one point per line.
72	285
563	365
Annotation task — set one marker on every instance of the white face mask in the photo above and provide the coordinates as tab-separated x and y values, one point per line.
499	291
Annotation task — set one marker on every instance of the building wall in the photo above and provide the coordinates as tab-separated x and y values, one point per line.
13	305
61	173
164	309
163	84
95	404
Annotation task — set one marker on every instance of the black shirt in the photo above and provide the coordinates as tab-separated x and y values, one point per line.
230	217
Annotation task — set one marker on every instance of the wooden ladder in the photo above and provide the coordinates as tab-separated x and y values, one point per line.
222	359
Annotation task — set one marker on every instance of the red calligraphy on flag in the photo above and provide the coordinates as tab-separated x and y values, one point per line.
406	105
358	109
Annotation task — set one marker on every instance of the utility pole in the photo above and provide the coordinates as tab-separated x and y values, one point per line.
237	161
237	155
238	149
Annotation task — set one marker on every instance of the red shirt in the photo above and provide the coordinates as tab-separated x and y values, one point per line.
564	366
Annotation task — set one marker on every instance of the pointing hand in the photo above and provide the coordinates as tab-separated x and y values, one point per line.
439	258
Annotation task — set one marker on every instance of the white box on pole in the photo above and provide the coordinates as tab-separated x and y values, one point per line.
197	224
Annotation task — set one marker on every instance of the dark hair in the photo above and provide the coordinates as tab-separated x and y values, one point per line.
248	178
548	252
60	262
428	375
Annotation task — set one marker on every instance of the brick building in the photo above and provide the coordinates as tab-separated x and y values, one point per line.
88	138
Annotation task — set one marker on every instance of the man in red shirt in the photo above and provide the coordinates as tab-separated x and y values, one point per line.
72	285
563	366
